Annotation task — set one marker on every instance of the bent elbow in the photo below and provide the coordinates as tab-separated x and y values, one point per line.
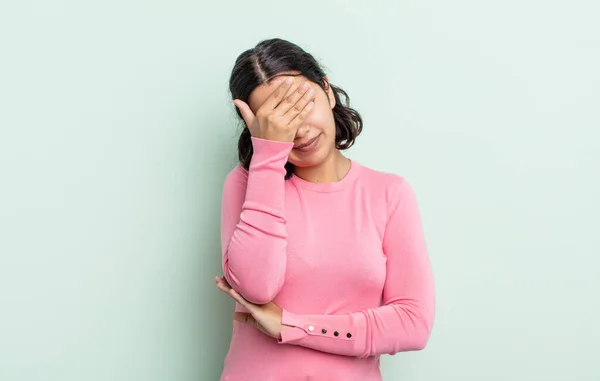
421	336
260	295
420	342
415	339
416	342
423	329
256	290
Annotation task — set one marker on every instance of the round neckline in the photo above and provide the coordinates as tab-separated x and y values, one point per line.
330	186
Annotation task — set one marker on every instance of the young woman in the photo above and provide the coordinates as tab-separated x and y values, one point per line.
325	257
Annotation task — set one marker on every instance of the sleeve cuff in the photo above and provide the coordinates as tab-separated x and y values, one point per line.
291	334
270	147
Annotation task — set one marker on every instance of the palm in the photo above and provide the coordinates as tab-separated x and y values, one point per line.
262	318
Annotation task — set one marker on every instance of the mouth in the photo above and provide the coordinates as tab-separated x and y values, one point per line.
309	145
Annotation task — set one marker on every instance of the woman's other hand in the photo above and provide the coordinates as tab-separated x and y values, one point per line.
265	317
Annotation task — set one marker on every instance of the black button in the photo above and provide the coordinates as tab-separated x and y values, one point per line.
336	333
324	330
348	335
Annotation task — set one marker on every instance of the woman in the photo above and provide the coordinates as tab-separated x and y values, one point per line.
325	257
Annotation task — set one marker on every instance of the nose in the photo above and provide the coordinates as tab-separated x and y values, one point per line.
302	132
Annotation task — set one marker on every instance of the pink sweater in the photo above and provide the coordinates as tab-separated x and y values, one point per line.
346	261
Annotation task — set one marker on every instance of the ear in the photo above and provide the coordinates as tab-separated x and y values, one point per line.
329	92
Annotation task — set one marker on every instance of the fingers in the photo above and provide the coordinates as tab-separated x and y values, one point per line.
226	288
293	104
301	108
240	299
277	96
222	284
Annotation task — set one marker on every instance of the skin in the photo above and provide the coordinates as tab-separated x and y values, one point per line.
323	164
278	111
266	317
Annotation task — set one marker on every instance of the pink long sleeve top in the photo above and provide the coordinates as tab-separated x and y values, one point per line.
346	261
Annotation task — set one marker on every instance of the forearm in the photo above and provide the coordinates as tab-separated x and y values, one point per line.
388	329
254	251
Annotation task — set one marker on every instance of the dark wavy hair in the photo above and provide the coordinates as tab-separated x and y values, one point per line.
271	58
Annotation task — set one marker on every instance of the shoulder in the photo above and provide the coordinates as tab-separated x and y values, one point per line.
391	185
381	179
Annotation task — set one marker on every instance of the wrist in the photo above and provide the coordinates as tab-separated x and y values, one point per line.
270	152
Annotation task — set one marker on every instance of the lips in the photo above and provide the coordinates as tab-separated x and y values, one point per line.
307	144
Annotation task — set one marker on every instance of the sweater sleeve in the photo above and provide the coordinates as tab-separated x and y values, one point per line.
405	319
253	231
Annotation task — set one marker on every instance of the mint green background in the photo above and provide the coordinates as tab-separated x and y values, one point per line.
117	132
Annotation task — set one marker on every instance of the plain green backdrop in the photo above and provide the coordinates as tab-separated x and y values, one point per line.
117	131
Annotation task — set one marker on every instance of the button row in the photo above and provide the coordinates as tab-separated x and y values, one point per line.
324	331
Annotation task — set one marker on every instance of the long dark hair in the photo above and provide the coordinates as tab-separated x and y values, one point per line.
267	60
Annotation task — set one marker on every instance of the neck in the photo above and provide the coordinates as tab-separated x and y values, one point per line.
332	169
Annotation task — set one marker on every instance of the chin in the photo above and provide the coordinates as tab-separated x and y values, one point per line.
308	160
